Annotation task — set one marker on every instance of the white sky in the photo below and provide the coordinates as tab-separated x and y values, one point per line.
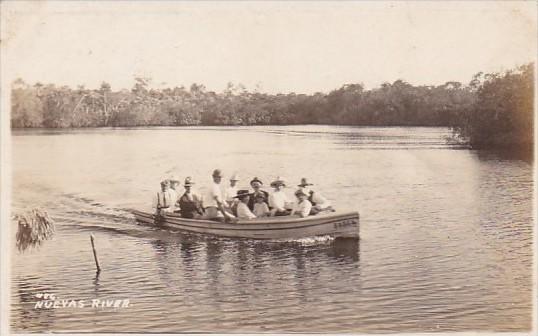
302	47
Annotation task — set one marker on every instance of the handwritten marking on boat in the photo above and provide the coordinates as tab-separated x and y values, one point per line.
344	223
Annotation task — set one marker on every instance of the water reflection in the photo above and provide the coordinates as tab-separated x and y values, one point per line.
29	316
446	234
523	154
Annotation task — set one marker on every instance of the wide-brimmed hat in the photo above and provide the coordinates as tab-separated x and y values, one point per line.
242	193
300	192
217	173
278	181
234	177
304	183
165	182
256	180
188	181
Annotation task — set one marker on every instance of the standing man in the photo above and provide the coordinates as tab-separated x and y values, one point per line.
174	184
162	201
256	185
215	201
190	203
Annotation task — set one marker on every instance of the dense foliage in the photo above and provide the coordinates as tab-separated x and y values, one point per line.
502	115
492	109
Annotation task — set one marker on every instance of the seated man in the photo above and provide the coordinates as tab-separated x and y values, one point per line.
164	199
243	212
303	206
278	201
319	203
190	203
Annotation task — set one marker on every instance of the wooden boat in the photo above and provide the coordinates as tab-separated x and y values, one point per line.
286	227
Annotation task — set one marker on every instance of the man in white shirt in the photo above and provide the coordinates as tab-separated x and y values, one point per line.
215	200
243	212
278	201
174	184
163	200
303	206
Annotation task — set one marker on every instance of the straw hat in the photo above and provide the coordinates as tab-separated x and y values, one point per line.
234	177
278	181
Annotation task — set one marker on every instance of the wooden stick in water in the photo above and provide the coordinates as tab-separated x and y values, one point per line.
95	254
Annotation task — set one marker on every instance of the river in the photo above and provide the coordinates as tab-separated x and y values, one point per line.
446	233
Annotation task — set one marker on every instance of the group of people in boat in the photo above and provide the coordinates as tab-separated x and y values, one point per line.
231	203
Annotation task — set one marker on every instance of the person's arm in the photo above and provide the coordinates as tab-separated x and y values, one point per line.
244	212
271	201
220	202
272	205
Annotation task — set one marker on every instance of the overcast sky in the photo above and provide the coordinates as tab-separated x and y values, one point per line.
280	47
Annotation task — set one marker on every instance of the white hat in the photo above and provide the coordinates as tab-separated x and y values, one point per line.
278	180
234	177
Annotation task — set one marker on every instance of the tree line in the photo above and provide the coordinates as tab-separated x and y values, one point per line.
491	110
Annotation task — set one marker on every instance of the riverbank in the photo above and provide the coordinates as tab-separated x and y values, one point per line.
492	111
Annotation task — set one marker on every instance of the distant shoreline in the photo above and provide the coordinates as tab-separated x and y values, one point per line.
492	111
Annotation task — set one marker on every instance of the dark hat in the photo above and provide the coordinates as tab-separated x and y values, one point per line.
256	180
217	173
188	181
242	193
300	192
304	183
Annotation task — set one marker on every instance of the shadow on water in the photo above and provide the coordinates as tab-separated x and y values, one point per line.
525	154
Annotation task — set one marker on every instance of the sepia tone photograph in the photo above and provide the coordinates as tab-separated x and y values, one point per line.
248	167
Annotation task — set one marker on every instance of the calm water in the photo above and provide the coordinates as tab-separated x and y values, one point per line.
446	234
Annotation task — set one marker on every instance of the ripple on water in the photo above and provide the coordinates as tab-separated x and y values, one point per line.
446	235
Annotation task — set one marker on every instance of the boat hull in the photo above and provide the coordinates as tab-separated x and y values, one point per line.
344	225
